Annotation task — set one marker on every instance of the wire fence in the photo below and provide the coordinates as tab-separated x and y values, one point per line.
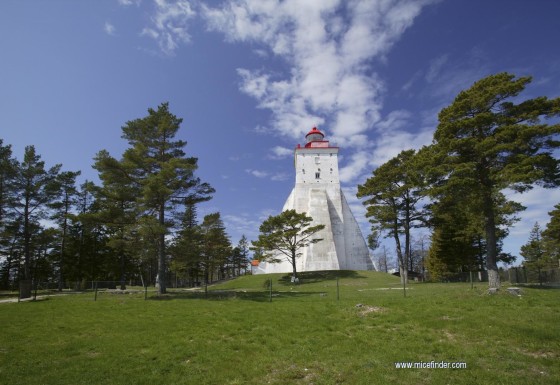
32	290
524	275
29	289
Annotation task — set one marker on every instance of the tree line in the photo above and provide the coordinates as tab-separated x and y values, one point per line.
138	224
487	141
542	250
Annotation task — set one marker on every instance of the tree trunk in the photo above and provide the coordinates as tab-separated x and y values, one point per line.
294	269
491	249
80	257
63	244
401	259
161	251
123	269
61	264
26	241
386	269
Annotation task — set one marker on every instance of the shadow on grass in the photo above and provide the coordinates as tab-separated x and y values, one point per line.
537	286
319	276
224	295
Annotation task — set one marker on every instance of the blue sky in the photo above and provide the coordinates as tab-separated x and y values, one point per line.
251	77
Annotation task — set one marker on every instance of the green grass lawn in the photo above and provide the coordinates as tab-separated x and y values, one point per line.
234	335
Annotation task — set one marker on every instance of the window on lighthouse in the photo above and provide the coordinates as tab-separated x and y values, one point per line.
317	175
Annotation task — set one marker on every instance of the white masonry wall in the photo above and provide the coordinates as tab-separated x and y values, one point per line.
317	192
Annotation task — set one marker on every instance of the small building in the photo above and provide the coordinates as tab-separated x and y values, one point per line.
254	266
317	192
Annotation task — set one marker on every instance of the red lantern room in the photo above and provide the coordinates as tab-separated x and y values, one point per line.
315	138
314	135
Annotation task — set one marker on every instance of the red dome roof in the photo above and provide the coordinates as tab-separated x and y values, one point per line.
315	131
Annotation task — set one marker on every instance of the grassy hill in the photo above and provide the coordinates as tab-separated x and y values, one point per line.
234	335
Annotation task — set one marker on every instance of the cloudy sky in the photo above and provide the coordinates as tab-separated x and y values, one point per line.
251	77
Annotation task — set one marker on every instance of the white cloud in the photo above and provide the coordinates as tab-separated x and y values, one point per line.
538	203
150	33
408	85
394	120
242	224
389	143
246	223
436	66
276	177
280	152
238	157
253	84
445	77
328	46
170	24
126	3
392	143
109	28
280	177
359	162
257	173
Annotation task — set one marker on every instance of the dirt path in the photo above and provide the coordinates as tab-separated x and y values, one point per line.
39	298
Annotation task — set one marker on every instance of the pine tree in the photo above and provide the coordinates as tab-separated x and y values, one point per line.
533	251
242	257
34	188
83	229
186	250
157	165
62	209
117	209
7	175
458	242
487	143
216	247
286	234
9	225
392	197
551	236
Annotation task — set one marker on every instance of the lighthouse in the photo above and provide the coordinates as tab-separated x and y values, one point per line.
317	193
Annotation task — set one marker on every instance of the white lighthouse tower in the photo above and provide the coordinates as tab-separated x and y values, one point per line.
317	193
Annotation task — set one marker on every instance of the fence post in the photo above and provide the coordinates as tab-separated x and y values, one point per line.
95	298
270	291
145	292
337	290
